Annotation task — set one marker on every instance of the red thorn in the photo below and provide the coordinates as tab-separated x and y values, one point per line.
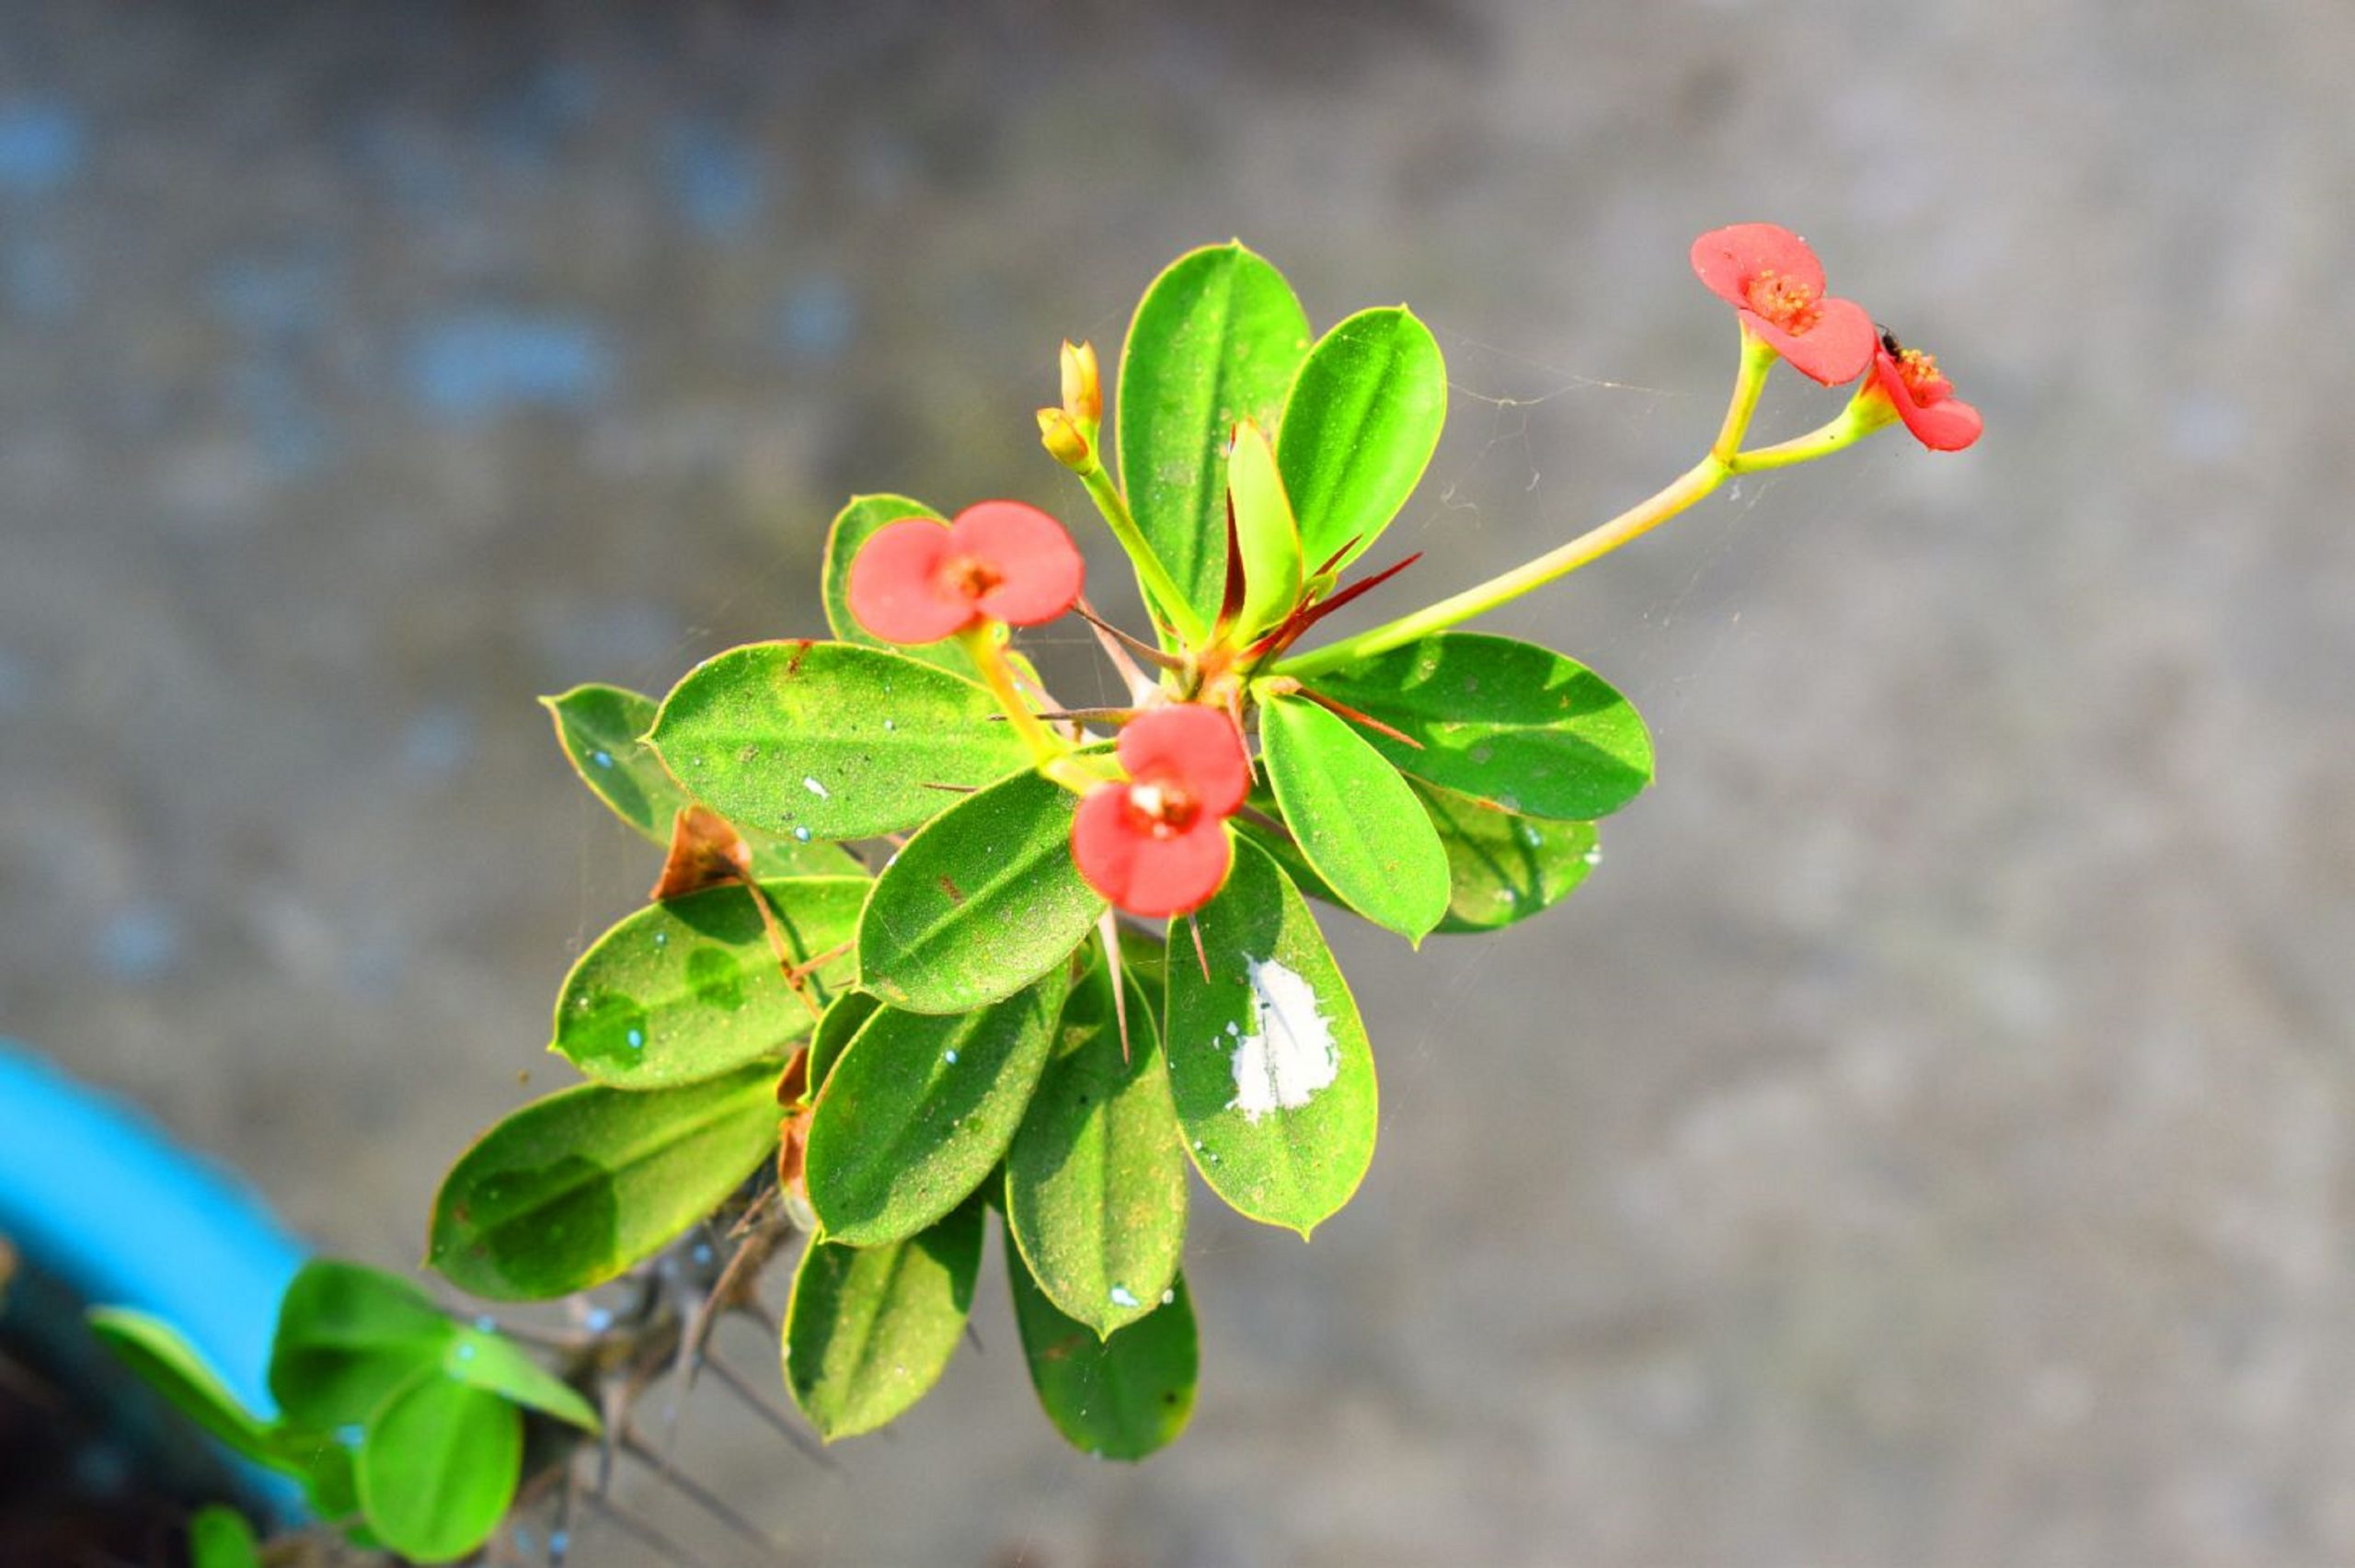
1335	558
1347	712
1202	953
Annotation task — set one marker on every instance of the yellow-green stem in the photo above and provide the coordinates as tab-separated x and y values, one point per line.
1757	358
1049	753
1161	589
1869	411
1689	486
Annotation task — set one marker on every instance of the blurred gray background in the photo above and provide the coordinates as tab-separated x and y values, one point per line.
1928	1137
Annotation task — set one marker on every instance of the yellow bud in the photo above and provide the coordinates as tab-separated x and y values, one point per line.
1064	441
1082	391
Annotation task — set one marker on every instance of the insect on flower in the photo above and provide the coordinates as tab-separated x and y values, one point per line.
1918	393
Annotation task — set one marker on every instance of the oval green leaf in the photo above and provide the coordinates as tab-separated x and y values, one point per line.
1502	720
438	1467
920	1109
981	902
598	729
1268	1059
1096	1178
829	741
869	1329
1503	867
348	1336
482	1359
1360	425
692	988
166	1362
1214	341
1120	1398
1355	820
570	1190
1273	574
843	1019
219	1537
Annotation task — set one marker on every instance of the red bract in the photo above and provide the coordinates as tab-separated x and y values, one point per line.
1154	844
917	581
1769	275
1923	398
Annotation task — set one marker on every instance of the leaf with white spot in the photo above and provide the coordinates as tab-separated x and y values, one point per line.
1268	1057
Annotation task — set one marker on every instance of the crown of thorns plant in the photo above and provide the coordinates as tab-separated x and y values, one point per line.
1077	954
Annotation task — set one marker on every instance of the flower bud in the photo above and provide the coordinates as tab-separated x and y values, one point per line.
1066	441
1083	390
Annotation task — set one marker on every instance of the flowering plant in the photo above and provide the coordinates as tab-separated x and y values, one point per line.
1075	954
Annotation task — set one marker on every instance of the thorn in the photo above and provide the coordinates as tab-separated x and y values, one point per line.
1108	931
735	1382
1143	649
1202	953
1347	712
1266	823
953	789
638	1530
1121	713
695	1491
1335	558
1231	603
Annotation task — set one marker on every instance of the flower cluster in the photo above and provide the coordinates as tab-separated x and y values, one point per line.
1776	284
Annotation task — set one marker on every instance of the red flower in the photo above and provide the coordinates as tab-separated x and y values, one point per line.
1769	275
1910	382
1154	844
917	581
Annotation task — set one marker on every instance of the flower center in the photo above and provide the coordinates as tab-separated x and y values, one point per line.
969	577
1919	371
1786	302
1163	807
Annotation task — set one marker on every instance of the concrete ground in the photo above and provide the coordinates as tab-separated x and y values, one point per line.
1930	1138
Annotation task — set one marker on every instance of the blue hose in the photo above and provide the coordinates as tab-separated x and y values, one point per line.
93	1194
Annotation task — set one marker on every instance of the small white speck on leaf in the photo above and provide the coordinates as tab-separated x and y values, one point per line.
814	787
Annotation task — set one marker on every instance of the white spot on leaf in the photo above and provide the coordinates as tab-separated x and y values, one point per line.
1289	1055
814	787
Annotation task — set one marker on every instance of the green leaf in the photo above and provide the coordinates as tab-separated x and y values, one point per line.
438	1467
1360	425
1120	1398
166	1362
829	739
1502	720
692	988
570	1190
492	1362
1096	1178
847	1015
981	902
869	1329
348	1336
1503	867
219	1537
1268	1059
1273	575
920	1109
1214	341
598	729
1356	821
